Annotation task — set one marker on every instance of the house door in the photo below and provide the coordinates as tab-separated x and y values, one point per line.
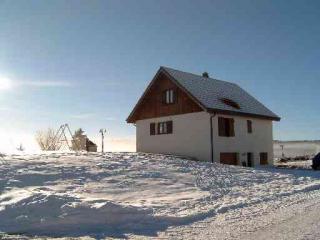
250	159
229	158
263	158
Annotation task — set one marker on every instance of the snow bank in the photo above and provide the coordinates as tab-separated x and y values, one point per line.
118	194
58	216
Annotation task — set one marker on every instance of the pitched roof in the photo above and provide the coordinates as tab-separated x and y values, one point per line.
211	92
213	95
90	143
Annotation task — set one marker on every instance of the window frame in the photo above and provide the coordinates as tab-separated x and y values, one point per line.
165	127
162	128
169	96
226	127
231	103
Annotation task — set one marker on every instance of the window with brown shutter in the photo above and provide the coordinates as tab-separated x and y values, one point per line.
169	96
152	129
226	127
164	127
249	126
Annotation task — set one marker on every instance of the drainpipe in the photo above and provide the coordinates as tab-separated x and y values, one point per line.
211	136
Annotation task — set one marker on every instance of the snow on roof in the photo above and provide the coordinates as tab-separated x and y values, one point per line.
211	94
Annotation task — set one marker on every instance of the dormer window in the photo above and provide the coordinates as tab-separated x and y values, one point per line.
230	103
169	96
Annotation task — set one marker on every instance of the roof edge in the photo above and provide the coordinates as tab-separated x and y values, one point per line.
142	96
163	70
235	113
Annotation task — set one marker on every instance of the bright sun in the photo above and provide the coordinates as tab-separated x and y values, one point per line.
5	83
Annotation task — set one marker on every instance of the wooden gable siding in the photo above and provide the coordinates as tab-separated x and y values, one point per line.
151	106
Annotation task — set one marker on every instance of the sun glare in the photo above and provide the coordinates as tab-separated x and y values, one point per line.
5	83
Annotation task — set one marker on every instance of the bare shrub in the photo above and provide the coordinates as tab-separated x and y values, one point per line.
46	141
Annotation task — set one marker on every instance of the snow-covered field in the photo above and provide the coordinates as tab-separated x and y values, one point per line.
135	195
295	148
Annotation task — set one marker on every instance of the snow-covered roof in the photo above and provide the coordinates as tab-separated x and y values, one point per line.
210	93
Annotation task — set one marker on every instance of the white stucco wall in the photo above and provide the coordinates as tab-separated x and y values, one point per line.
191	137
260	140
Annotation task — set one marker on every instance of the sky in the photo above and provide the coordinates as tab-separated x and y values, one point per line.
86	63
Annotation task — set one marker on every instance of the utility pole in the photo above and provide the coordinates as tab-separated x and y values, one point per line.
102	131
282	150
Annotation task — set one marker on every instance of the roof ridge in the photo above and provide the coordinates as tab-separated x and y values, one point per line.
214	79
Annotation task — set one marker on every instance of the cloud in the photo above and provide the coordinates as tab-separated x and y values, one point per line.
4	109
7	83
83	115
44	84
91	115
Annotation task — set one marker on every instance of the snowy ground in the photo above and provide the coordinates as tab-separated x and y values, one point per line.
135	195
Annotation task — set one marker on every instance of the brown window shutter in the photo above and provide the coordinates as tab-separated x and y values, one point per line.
221	126
231	127
169	127
249	124
158	128
175	96
152	129
163	97
227	126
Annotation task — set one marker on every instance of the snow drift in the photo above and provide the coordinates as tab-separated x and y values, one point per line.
118	194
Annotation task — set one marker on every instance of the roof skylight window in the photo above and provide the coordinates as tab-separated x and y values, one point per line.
230	103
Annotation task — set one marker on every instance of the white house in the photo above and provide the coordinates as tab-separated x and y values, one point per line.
211	120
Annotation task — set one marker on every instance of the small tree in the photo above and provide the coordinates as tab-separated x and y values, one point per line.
205	74
79	132
78	142
46	141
